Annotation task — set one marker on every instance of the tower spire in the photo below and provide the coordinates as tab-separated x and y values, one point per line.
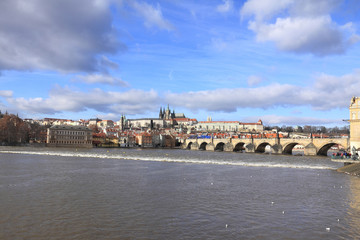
161	113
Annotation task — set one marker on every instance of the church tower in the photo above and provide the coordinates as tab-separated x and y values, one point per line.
122	122
167	113
161	116
354	110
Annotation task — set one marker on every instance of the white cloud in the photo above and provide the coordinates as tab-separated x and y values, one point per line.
229	100
300	26
333	91
311	8
292	120
266	10
66	100
326	93
109	116
153	15
65	36
263	10
101	78
6	93
225	7
319	36
254	80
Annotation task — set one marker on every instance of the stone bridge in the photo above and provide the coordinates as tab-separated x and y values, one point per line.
313	146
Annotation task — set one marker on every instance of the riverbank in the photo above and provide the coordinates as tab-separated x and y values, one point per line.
352	169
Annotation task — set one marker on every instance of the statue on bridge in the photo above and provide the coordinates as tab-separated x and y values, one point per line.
354	154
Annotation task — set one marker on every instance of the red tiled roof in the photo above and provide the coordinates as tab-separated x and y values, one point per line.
99	135
219	122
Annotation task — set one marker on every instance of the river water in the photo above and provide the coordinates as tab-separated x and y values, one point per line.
173	194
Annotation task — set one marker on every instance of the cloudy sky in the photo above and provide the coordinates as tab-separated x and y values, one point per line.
287	62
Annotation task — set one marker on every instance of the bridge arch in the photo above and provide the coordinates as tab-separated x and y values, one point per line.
239	147
219	146
189	145
289	148
203	146
261	147
325	148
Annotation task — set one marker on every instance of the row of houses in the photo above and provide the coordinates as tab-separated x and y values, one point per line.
229	126
239	135
163	131
81	136
111	127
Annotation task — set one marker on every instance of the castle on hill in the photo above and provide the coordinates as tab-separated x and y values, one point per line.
168	115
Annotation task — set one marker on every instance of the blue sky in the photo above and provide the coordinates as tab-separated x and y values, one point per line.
287	62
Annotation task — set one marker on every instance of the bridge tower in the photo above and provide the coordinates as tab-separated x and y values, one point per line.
354	110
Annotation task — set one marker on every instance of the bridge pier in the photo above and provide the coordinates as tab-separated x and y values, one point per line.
184	145
250	148
276	149
310	150
210	147
194	146
228	147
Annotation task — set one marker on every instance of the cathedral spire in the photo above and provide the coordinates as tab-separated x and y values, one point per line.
160	113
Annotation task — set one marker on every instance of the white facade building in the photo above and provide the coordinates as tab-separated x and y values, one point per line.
229	126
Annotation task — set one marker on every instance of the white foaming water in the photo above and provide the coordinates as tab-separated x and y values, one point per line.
256	161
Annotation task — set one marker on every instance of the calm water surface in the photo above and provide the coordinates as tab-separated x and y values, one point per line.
173	194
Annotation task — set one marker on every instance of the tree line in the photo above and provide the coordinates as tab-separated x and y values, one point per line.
15	131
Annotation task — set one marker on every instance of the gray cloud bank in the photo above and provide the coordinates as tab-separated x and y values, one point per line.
67	100
64	35
320	96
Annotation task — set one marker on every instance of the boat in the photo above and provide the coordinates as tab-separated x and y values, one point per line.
346	157
340	157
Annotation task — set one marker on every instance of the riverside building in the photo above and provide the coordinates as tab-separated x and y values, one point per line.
69	136
227	126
